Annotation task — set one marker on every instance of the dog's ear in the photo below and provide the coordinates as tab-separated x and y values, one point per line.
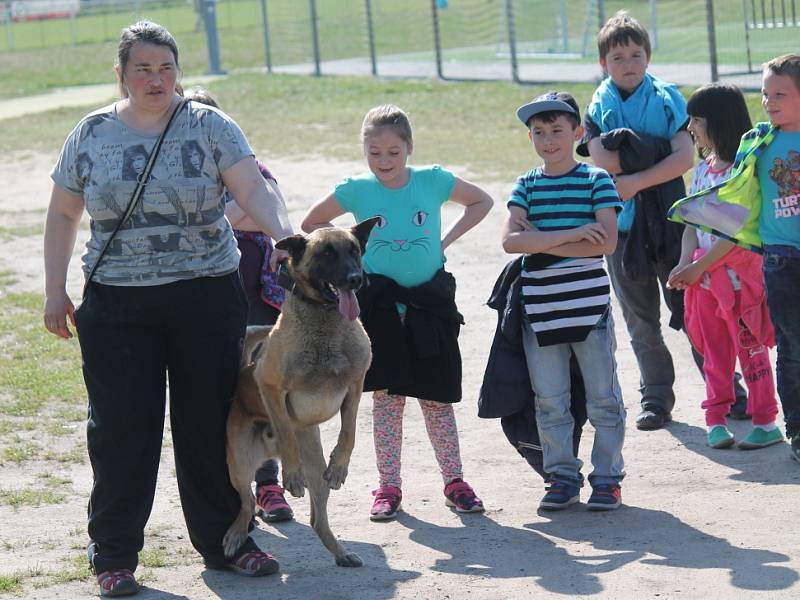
295	245
362	231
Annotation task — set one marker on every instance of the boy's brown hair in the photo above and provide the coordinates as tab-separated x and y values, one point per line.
788	64
621	30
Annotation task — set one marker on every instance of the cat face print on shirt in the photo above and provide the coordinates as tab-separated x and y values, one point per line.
403	233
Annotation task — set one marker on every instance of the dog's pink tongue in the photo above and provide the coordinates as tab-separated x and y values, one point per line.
348	305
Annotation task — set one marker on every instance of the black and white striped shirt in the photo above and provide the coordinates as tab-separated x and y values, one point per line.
564	298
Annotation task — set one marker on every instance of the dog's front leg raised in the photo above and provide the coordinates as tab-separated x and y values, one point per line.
336	472
275	401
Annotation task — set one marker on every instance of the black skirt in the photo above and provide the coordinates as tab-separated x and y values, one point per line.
417	356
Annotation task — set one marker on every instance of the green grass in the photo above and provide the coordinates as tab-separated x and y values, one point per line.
44	57
470	125
36	368
20	451
153	557
9	233
75	568
11	584
7	278
30	496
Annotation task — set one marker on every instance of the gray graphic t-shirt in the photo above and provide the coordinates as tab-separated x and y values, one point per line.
178	230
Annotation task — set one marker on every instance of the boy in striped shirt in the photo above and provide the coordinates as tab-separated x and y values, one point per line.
563	217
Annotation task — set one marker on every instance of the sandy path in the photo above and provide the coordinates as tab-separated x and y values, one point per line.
696	523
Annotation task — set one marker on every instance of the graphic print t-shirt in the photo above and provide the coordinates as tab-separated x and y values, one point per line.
406	244
779	177
178	230
706	177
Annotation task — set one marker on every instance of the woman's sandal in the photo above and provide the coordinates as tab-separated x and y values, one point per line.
117	582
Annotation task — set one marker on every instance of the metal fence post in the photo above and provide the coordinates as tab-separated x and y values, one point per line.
601	13
212	39
747	37
312	5
712	40
437	40
512	40
371	39
654	24
265	28
7	19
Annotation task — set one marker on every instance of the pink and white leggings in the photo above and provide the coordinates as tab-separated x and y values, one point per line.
387	429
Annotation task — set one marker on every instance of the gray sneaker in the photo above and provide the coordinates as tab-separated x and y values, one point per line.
795	447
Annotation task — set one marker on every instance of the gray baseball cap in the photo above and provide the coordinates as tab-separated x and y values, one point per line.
560	101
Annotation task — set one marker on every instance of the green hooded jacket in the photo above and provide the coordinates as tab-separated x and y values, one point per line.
731	209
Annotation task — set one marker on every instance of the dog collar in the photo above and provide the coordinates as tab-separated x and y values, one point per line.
301	296
286	281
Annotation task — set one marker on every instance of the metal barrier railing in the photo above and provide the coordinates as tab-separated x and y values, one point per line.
521	40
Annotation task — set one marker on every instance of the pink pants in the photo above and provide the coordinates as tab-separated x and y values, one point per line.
722	341
387	429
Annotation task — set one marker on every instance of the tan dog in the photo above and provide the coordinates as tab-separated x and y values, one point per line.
310	367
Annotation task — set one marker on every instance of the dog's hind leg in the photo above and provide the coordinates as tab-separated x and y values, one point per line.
313	462
241	468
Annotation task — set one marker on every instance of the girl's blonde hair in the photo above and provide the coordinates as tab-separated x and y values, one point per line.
387	115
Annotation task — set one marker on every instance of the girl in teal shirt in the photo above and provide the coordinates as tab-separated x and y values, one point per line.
405	255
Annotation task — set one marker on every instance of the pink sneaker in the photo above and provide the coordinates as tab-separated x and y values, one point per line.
271	504
386	504
460	495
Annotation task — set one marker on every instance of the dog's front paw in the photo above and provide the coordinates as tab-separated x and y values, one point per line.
335	475
351	559
294	483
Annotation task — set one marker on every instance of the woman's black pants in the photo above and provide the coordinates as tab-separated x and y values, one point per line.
136	340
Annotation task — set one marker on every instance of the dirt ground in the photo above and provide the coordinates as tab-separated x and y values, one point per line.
696	522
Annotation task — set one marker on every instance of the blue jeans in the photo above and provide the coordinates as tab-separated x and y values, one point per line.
782	281
548	368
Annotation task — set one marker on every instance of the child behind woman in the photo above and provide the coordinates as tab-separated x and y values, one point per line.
264	300
725	303
408	307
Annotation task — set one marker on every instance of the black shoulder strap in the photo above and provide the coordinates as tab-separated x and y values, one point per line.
141	182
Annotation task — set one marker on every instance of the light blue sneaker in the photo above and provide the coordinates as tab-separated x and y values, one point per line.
720	437
758	438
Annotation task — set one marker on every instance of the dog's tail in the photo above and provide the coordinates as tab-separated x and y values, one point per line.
253	341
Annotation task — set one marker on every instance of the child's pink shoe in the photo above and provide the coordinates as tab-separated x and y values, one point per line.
460	495
386	504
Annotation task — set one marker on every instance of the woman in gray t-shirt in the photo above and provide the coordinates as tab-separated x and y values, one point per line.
165	302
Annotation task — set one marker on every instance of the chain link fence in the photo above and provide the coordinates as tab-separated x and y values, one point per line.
694	41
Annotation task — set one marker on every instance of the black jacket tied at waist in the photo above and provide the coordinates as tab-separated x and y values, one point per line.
417	356
652	238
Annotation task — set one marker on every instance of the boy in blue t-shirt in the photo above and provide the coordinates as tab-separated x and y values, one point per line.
778	169
563	217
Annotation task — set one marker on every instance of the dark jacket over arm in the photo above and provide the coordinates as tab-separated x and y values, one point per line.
506	391
652	238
